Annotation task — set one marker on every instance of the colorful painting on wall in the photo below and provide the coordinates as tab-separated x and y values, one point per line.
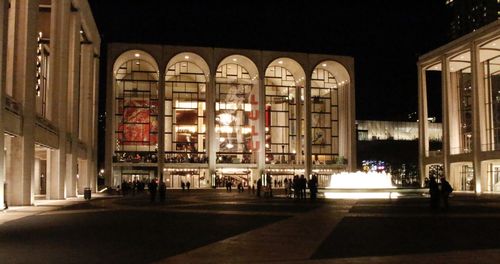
140	124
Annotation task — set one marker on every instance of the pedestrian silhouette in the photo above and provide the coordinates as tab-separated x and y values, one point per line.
446	189
434	192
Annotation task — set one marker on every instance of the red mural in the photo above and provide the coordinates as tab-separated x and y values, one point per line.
140	123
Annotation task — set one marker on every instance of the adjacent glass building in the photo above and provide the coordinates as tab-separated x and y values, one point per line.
467	74
49	61
208	115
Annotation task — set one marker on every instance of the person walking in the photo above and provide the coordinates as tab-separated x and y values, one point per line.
188	185
434	192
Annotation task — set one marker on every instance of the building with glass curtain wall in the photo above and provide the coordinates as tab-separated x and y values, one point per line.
208	115
49	77
467	72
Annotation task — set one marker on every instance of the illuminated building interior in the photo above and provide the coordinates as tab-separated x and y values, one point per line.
467	73
208	123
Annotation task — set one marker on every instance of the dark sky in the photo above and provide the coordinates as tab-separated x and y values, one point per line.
384	37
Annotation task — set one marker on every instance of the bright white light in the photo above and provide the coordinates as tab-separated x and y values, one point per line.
361	180
361	195
137	55
229	145
234	59
186	57
226	119
324	64
280	62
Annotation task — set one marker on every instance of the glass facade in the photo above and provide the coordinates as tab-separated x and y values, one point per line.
281	116
222	125
136	112
470	109
185	114
324	117
236	114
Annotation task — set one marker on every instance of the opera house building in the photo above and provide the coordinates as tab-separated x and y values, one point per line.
465	76
49	64
210	115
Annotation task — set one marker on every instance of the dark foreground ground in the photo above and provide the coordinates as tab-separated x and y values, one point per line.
215	226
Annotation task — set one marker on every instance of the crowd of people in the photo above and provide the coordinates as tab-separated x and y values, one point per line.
439	192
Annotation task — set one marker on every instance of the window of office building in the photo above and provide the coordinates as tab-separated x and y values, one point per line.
236	111
185	113
136	111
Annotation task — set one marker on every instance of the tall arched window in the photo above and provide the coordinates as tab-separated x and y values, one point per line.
185	113
237	114
324	117
136	111
281	116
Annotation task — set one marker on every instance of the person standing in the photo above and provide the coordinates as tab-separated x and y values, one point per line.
163	192
446	189
259	187
188	185
434	192
153	186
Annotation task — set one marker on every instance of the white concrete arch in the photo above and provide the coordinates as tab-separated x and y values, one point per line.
191	58
336	69
151	63
244	62
292	66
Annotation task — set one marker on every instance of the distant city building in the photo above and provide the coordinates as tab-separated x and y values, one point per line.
212	115
467	71
469	15
49	62
394	130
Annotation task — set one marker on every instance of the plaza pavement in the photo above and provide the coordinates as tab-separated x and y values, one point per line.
285	231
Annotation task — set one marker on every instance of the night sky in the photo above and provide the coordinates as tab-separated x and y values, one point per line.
384	37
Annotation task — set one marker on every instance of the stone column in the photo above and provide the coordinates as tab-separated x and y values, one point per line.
23	67
423	145
87	99
73	102
58	83
446	109
308	132
261	125
94	123
3	52
476	126
37	177
211	140
351	132
161	123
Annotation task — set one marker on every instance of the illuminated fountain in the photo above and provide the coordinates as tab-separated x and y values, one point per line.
361	185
